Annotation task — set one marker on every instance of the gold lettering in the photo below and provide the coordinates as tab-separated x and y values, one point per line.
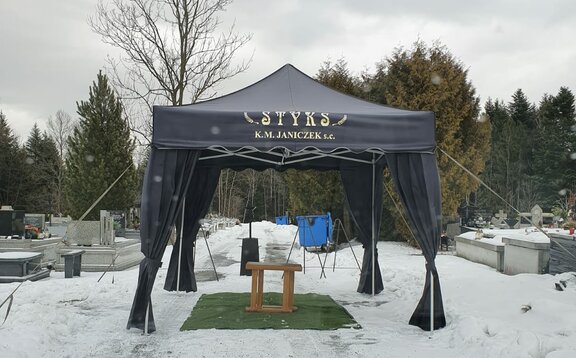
257	134
325	121
295	116
265	118
268	134
310	119
280	115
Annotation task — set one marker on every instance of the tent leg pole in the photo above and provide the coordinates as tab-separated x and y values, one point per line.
146	320
431	304
180	246
304	260
336	222
210	254
292	246
373	225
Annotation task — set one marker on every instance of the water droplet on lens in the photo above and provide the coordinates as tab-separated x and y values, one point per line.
435	79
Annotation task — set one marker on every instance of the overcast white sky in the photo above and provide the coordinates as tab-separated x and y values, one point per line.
49	55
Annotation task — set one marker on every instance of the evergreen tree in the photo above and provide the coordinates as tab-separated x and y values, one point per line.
316	192
522	111
565	103
99	151
523	116
337	76
42	163
12	162
497	174
430	78
554	165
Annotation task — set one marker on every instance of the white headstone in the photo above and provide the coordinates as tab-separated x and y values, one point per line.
499	220
106	228
536	215
85	233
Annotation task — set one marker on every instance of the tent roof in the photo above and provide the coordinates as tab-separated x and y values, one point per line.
288	109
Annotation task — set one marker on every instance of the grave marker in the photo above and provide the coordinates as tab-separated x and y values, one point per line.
537	216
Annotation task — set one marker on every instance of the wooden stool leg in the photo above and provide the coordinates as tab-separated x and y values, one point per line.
291	300
286	292
260	288
254	293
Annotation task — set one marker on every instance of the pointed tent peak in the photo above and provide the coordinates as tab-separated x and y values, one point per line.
290	89
286	70
290	67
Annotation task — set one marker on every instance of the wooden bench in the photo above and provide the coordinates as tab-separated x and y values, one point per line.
258	269
72	263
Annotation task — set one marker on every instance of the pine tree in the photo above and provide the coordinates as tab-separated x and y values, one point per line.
42	162
12	161
497	174
99	151
430	78
316	192
523	184
565	103
554	166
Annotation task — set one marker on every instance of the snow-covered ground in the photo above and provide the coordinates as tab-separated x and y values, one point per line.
80	317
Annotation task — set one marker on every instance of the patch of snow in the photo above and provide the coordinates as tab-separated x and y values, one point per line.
81	317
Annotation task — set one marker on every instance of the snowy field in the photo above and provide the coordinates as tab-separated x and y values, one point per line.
79	317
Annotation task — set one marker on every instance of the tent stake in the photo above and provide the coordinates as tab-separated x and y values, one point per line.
180	246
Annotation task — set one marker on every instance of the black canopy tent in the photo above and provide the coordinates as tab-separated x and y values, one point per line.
288	120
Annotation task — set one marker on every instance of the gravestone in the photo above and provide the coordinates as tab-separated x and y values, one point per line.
106	228
512	223
60	220
11	222
83	233
537	216
119	218
36	220
499	220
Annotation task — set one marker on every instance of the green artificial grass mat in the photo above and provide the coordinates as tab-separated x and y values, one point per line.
227	310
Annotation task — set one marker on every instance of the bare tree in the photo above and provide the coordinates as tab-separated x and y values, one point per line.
60	127
173	51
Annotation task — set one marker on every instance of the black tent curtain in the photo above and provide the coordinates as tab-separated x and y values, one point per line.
200	192
175	174
418	184
358	184
165	184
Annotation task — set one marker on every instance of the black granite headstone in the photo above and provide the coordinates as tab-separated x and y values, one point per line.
250	253
12	223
